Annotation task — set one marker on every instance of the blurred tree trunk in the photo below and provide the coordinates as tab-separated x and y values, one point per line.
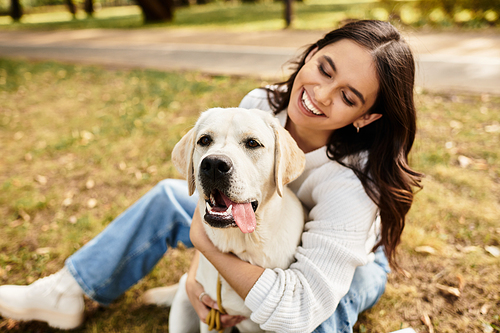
16	11
89	7
288	13
71	7
182	3
157	10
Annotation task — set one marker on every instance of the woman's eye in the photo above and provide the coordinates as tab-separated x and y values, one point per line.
251	143
323	71
205	141
347	100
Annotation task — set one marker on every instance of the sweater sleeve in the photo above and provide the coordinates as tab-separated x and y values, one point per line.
301	297
256	99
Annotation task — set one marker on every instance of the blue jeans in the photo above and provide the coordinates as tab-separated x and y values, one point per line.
129	248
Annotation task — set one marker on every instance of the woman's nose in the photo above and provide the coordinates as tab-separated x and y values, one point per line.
323	94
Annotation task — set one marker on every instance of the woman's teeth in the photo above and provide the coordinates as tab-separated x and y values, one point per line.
309	105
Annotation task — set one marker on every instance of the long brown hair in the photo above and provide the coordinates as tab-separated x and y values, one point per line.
385	174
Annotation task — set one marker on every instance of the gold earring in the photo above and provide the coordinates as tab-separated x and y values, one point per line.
357	128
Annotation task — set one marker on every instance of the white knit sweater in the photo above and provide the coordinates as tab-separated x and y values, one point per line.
338	237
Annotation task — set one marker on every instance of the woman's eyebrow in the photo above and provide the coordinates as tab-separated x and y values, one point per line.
357	93
354	90
330	61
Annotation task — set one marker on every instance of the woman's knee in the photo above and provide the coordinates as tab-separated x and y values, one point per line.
171	184
369	284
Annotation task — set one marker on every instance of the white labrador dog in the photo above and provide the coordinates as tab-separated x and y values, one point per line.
239	161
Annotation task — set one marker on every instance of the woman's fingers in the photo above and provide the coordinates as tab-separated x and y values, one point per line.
230	321
208	301
226	320
204	308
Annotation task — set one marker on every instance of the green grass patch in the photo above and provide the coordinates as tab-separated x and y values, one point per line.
80	144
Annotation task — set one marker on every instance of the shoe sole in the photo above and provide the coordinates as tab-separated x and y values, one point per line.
53	319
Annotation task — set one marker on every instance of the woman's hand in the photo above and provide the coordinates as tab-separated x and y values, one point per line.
194	290
202	308
202	305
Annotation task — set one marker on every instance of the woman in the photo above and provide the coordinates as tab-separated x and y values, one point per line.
349	105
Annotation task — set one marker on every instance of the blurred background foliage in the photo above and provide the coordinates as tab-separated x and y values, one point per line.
452	12
417	13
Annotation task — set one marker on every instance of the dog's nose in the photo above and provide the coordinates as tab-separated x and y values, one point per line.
216	166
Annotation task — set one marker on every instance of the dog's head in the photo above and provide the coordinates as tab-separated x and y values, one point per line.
237	159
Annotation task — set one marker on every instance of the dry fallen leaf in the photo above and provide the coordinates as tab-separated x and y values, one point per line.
495	128
485	308
91	203
427	321
449	290
18	136
455	124
90	184
43	250
25	216
11	323
16	223
42	180
487	328
425	249
469	249
464	161
461	282
493	250
406	273
66	202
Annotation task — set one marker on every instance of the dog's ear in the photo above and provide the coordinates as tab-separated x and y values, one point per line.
182	157
289	159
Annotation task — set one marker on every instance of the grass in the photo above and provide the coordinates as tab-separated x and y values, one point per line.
268	15
79	144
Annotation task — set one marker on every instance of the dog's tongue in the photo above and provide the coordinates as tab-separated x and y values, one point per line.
243	215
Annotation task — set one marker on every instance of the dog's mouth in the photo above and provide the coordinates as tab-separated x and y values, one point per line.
222	212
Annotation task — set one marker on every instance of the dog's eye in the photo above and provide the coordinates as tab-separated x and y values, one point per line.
252	143
205	141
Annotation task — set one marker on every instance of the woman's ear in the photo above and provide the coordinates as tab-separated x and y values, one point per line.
311	54
366	119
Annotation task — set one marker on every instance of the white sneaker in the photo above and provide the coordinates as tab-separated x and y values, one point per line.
56	299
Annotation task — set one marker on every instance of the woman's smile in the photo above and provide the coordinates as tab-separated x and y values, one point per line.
309	106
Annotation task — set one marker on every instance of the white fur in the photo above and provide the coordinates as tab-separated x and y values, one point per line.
259	174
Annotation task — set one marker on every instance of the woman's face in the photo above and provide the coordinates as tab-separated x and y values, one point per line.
336	87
